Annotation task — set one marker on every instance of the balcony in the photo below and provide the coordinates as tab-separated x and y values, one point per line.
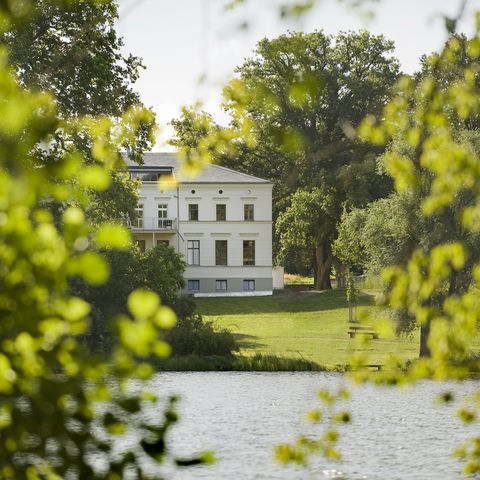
154	224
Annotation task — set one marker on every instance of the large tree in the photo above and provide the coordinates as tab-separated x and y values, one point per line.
75	54
388	231
300	97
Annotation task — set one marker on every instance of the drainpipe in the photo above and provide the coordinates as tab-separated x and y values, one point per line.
178	219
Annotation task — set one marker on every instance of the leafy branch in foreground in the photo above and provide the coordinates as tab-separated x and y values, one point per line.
64	410
438	284
442	171
445	169
326	445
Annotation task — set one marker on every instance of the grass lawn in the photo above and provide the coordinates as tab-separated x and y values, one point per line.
312	325
293	279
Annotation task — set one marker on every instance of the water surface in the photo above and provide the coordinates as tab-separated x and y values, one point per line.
241	416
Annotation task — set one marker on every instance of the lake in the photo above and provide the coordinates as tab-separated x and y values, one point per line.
241	416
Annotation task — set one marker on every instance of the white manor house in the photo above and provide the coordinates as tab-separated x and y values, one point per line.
220	221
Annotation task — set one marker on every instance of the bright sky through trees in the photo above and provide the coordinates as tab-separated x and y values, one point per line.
183	41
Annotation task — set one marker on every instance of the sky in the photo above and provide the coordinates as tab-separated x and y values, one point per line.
190	48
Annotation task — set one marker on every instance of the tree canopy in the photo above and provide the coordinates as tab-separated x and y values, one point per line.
388	231
74	53
430	130
294	106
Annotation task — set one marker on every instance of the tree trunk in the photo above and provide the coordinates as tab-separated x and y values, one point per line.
424	334
340	275
323	266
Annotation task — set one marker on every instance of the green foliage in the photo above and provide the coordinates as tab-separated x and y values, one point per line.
388	231
309	221
294	279
194	336
116	203
238	363
158	270
273	363
294	109
326	445
427	230
191	128
199	141
381	234
71	50
157	273
54	391
433	115
74	53
351	292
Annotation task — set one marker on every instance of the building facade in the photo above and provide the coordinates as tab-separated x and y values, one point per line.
220	222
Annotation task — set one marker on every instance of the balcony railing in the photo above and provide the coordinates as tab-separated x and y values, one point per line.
154	223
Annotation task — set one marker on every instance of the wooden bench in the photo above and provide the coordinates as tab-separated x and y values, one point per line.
363	330
375	366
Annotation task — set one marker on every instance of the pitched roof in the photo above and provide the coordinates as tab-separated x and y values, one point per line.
210	174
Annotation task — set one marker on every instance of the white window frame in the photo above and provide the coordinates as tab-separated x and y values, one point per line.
224	242
190	212
193	252
245	263
216	212
139	211
245	205
219	284
162	215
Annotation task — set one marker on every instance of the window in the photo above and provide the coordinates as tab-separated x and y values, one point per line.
221	285
166	243
193	212
248	211
139	212
249	252
193	252
162	215
193	285
221	252
147	176
141	245
221	212
249	285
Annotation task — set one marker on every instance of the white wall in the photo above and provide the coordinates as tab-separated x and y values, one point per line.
278	278
234	196
234	230
151	196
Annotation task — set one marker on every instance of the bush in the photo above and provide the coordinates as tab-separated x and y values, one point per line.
272	363
159	270
193	336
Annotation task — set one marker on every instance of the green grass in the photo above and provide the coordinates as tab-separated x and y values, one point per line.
248	363
310	326
273	363
294	279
